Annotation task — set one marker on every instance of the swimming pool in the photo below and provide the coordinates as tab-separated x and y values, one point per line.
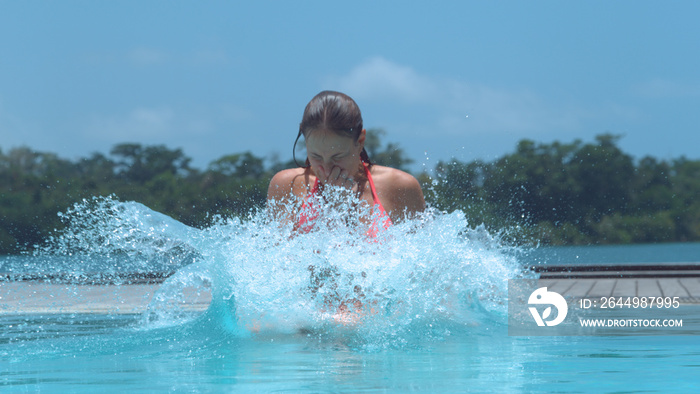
88	353
437	322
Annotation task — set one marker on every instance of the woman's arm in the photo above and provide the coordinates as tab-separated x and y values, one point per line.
410	196
402	193
280	195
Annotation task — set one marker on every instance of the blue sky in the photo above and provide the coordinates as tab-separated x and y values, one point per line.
462	79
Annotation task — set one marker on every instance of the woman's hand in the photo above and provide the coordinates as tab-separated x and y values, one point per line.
339	177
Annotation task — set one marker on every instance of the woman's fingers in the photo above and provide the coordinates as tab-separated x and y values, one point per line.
334	175
340	177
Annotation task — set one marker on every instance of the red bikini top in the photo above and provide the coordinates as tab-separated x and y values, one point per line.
309	214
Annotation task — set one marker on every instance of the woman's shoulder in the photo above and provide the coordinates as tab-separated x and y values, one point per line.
400	190
393	177
288	175
294	180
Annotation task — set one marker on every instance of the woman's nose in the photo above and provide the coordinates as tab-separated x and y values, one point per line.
327	166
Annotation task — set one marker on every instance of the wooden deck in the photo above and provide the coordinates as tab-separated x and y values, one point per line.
132	294
687	289
50	298
663	280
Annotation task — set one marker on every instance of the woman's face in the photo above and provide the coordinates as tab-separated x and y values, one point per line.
333	155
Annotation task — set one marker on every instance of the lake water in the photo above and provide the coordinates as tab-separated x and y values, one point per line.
432	315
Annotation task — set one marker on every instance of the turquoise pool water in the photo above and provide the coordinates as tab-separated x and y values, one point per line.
98	354
112	356
432	315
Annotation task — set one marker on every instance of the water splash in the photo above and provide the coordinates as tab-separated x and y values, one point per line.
106	236
423	278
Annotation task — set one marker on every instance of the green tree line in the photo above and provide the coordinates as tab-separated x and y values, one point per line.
558	193
577	193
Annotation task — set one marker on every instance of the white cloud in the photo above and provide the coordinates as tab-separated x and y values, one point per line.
234	112
146	56
380	78
149	124
663	88
455	105
489	109
210	57
157	125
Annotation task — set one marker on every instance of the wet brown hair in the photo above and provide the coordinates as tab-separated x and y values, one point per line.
332	111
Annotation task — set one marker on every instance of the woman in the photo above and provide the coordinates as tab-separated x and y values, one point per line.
335	139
